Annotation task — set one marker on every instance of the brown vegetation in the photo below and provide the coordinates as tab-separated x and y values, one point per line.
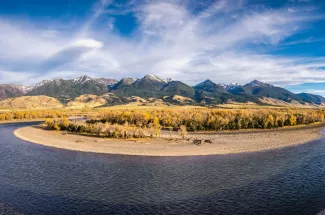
30	115
101	129
87	101
31	102
212	119
140	123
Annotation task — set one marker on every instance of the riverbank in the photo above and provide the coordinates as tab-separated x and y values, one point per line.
217	144
21	120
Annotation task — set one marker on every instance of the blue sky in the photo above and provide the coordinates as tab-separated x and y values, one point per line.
279	42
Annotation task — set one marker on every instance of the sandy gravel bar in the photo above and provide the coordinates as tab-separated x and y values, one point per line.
221	143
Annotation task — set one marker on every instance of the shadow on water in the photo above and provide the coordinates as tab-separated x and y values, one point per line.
35	179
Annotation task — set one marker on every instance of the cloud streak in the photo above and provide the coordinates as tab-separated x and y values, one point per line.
171	39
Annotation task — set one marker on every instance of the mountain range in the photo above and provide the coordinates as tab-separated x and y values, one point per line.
153	88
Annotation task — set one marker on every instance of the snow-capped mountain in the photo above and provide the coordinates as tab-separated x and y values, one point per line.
31	87
106	81
230	86
152	86
156	78
23	88
10	90
65	90
82	79
257	83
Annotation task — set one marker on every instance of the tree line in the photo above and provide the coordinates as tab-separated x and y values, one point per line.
106	129
140	123
37	114
212	119
130	123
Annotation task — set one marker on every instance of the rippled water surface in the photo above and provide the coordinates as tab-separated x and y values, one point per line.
36	179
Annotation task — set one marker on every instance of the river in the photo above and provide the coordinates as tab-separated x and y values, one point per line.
36	179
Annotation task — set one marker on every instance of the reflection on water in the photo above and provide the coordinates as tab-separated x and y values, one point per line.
41	180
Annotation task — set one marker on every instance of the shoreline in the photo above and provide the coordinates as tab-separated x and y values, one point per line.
221	143
20	121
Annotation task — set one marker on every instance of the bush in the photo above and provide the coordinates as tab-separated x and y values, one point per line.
183	131
149	122
49	124
210	119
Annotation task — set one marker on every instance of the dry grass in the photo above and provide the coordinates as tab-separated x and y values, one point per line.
292	104
87	101
136	107
35	102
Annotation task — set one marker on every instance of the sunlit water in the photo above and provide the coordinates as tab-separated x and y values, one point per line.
35	179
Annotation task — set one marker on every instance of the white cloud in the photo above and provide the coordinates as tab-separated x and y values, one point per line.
14	77
316	91
162	19
20	41
88	43
98	10
169	41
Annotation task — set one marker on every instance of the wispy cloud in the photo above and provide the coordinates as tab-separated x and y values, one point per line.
316	91
171	39
98	10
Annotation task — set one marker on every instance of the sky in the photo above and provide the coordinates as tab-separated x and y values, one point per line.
281	42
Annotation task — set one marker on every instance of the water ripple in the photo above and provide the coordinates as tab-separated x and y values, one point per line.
35	179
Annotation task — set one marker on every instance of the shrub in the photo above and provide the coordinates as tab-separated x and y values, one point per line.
210	119
183	131
49	124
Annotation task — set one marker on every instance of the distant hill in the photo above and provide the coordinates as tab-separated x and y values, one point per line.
106	81
153	90
179	100
92	101
260	90
146	87
151	86
210	92
87	100
311	98
122	86
64	90
10	91
26	102
178	88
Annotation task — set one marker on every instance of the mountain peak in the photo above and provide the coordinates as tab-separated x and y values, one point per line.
154	78
230	86
82	79
207	82
128	80
106	81
258	83
209	86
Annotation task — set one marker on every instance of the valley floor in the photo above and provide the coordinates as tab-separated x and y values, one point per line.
219	143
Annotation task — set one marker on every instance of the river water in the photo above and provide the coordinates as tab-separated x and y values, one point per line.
35	179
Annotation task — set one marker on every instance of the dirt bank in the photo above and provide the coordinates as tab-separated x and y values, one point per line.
219	143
